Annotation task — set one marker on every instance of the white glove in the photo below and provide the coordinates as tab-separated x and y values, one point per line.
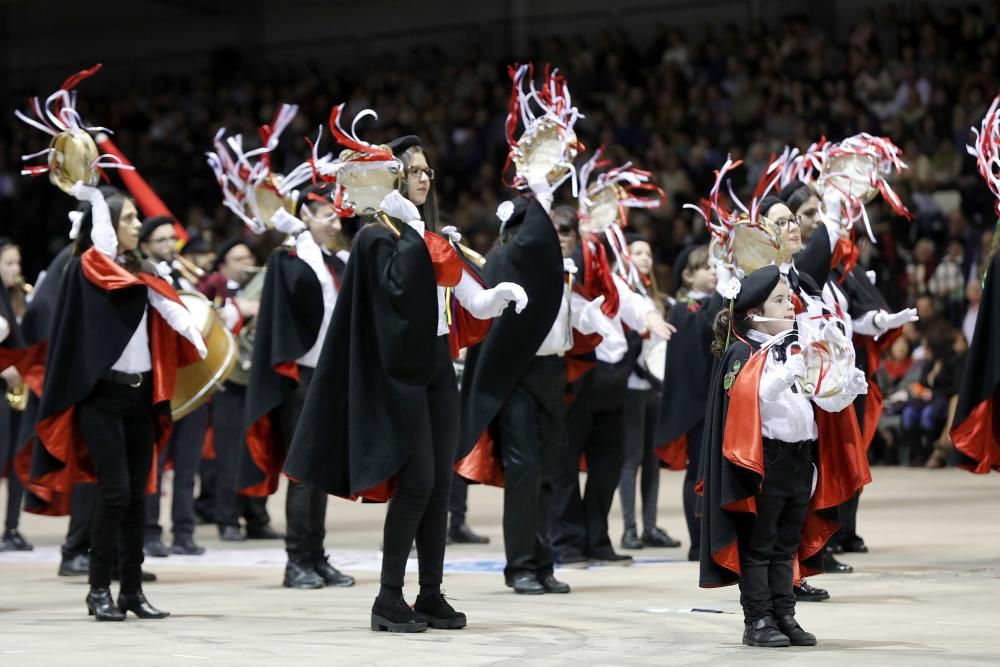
399	207
163	270
593	319
491	303
569	266
4	329
886	321
543	192
179	319
858	383
102	232
833	202
286	223
794	368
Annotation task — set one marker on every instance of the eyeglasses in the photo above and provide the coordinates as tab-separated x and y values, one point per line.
415	172
564	230
785	223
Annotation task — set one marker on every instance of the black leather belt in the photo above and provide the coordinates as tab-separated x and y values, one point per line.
133	380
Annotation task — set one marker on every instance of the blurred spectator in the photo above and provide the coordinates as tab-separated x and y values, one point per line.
898	371
973	294
947	284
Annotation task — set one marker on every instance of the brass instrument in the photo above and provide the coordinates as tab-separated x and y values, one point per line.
23	285
188	269
73	157
17	396
245	340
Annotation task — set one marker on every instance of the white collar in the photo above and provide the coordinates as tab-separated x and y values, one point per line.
695	295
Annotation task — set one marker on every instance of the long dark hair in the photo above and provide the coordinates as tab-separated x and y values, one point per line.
429	209
115	198
725	325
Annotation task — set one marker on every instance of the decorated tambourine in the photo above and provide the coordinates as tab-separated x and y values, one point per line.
72	155
986	150
547	145
250	189
829	357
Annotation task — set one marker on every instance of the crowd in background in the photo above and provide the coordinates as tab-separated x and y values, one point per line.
676	107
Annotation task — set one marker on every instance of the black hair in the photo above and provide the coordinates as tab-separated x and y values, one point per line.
725	324
115	199
429	209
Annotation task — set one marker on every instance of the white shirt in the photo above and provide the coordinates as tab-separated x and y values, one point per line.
309	252
136	357
560	338
632	310
465	291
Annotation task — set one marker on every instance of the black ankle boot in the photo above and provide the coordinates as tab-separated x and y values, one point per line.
396	616
764	632
436	611
139	605
102	607
799	637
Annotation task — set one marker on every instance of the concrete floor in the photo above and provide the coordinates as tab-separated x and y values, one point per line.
927	594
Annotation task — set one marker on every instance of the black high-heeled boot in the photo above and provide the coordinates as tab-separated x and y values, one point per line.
396	616
139	605
102	607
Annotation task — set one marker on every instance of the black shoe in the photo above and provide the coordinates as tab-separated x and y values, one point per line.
302	576
835	549
806	593
694	554
764	632
264	532
463	535
573	563
230	534
612	559
437	613
856	546
185	546
14	541
657	537
102	607
796	635
553	585
77	566
630	539
155	548
396	617
526	583
330	575
833	566
139	605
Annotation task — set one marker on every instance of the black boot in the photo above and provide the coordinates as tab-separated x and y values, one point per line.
806	593
630	539
301	575
396	616
833	566
463	535
14	541
799	637
332	576
77	566
764	632
139	605
437	613
102	607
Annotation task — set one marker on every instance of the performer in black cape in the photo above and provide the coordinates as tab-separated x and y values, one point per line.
687	376
109	376
380	418
764	436
300	290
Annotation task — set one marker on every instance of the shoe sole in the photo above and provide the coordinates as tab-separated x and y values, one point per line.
804	643
777	644
551	591
538	592
444	623
310	587
102	619
380	624
812	598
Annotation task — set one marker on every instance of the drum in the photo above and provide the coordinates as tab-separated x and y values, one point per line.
655	358
197	382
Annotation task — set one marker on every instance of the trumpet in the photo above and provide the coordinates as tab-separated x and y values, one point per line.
188	269
17	397
23	285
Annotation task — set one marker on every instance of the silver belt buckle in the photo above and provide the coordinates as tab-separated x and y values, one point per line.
138	383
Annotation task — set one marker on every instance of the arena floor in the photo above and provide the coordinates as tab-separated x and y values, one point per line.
927	594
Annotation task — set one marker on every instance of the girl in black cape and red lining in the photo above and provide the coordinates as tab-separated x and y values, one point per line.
763	438
381	416
110	373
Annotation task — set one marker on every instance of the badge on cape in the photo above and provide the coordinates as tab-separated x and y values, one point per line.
730	377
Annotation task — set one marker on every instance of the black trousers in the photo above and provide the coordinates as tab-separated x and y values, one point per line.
641	408
185	449
83	503
690	498
117	426
419	510
768	542
848	513
594	427
10	421
227	425
529	430
305	505
458	501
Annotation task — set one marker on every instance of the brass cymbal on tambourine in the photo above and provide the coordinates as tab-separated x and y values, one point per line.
851	173
754	245
73	154
545	150
603	208
269	199
365	183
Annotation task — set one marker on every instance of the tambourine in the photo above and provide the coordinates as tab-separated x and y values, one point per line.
754	245
546	150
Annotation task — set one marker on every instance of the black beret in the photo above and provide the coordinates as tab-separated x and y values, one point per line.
795	194
680	264
225	249
766	203
755	288
400	145
314	190
632	236
150	225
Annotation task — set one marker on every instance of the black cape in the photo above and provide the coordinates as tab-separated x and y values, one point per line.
286	327
533	260
814	259
370	385
688	371
976	427
13	341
